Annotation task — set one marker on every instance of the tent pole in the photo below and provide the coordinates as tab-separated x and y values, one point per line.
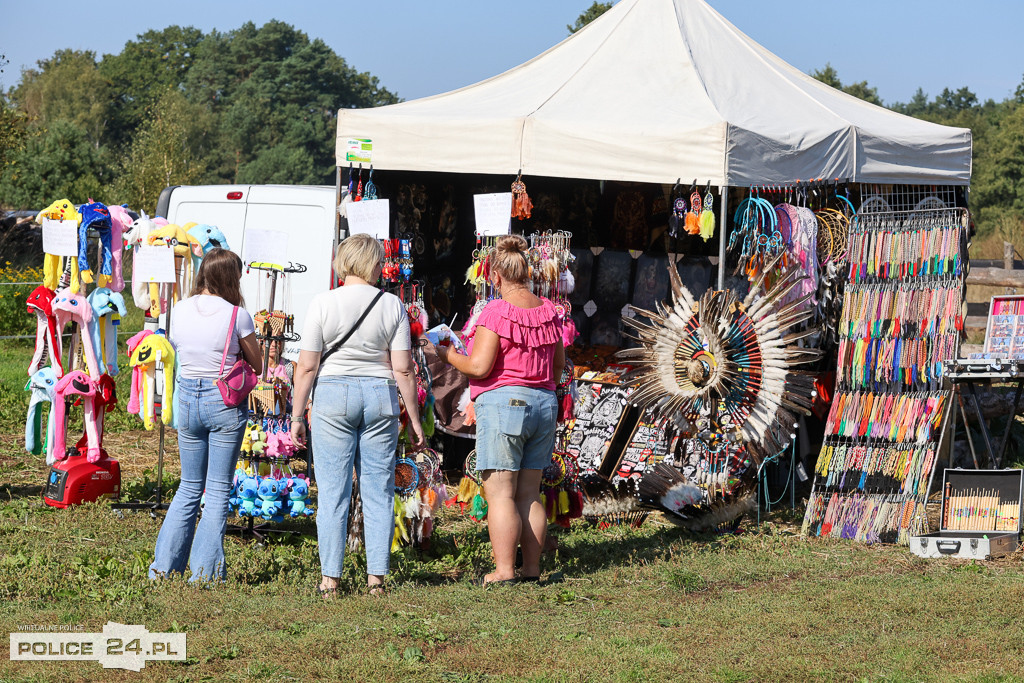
723	213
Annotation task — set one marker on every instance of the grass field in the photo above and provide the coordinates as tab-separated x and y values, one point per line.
618	605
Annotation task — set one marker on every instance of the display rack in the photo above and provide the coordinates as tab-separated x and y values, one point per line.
153	324
274	271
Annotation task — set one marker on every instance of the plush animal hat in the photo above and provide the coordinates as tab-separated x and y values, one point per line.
138	371
120	223
104	401
185	246
60	210
97	217
40	302
43	385
68	307
76	383
145	355
102	328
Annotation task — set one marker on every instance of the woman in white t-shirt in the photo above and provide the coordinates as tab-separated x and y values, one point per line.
358	338
209	432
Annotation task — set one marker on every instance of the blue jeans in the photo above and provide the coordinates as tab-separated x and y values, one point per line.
354	423
209	438
515	428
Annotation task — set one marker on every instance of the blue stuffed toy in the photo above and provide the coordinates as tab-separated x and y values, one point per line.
270	499
233	500
298	494
248	492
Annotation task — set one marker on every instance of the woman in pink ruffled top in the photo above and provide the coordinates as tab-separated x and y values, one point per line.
514	361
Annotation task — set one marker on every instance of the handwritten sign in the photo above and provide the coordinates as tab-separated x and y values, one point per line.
359	150
599	412
372	217
154	264
60	238
493	213
265	246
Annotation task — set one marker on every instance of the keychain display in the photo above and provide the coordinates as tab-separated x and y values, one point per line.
901	318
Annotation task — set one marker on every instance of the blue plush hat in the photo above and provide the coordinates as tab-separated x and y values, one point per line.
96	216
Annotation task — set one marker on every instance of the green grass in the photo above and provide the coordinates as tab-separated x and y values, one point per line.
619	605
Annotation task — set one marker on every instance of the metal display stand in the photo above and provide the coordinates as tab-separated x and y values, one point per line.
274	271
158	409
969	373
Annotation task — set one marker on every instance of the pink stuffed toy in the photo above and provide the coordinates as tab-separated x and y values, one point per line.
48	342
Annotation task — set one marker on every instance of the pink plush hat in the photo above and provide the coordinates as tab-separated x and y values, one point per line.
68	307
40	302
120	223
76	383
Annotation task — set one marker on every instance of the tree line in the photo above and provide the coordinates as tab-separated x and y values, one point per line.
177	106
258	105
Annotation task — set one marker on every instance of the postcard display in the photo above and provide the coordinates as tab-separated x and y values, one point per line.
902	316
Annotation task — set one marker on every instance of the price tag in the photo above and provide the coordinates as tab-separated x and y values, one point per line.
265	246
493	213
371	217
60	238
154	264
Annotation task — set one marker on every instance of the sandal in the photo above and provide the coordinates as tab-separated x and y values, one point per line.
529	579
327	593
377	590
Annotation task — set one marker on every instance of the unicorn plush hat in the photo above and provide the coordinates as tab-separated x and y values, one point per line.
144	355
60	210
43	385
120	223
76	383
40	302
68	307
103	330
95	216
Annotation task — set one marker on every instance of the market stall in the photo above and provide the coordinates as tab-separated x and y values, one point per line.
609	127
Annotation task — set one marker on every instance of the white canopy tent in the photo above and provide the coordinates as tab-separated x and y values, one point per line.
652	91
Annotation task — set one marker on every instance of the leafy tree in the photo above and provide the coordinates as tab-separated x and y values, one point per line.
591	13
168	149
830	77
142	72
67	86
13	125
59	162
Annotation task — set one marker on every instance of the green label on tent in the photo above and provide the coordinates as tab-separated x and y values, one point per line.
359	151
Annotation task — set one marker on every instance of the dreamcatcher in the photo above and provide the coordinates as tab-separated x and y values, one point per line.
723	371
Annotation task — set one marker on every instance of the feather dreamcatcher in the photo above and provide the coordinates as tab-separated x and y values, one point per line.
724	368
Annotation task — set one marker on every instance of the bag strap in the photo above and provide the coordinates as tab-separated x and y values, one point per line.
355	327
227	340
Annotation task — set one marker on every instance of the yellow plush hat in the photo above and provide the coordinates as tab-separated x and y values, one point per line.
60	210
145	354
184	243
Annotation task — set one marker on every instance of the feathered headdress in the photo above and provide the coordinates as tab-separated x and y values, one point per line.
736	357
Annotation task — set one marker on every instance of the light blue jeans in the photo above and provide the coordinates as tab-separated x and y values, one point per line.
354	423
209	438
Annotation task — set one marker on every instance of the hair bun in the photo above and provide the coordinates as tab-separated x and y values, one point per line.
513	244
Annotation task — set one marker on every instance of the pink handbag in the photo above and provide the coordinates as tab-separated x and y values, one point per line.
239	380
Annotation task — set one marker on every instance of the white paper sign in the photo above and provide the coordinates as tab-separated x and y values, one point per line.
154	264
493	213
371	217
60	238
265	246
359	150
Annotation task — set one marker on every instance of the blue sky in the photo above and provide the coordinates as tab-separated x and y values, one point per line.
421	48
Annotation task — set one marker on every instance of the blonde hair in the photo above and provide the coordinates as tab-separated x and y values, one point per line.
358	255
510	260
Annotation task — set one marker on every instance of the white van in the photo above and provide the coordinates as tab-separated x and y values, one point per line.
305	213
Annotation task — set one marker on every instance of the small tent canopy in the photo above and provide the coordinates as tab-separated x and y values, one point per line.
652	91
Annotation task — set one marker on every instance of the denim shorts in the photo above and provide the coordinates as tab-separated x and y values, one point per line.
515	428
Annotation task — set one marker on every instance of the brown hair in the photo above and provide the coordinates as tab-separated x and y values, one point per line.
220	274
510	260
